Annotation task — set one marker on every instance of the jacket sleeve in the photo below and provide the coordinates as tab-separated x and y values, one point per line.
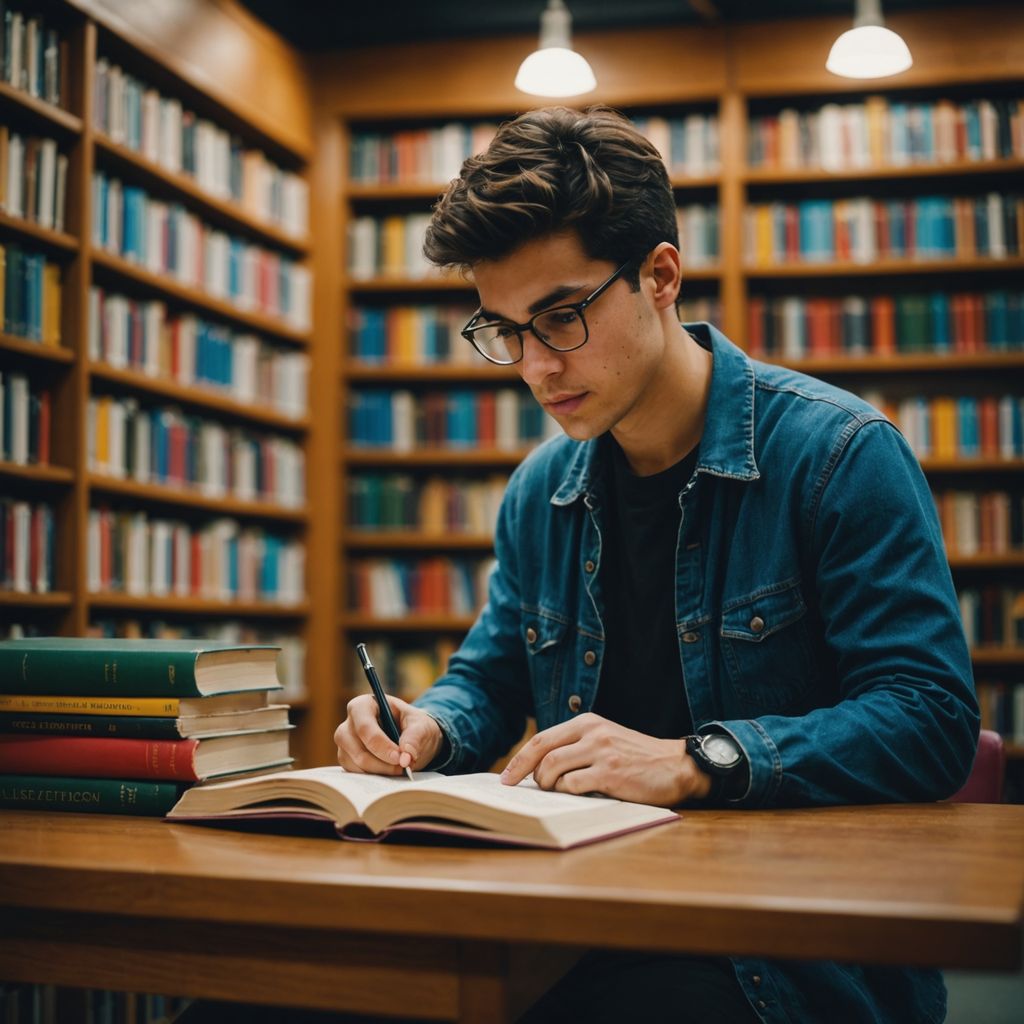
482	701
905	727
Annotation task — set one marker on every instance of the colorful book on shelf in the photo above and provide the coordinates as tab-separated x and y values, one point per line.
187	760
140	797
134	668
475	807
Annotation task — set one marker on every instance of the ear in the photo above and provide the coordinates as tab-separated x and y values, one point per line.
664	267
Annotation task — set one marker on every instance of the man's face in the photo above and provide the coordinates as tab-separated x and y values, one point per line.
591	389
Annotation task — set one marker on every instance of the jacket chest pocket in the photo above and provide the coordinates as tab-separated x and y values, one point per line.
766	647
544	642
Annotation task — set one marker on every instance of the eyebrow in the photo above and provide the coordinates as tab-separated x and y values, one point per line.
553	297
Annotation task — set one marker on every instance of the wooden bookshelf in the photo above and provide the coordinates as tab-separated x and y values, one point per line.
740	69
263	97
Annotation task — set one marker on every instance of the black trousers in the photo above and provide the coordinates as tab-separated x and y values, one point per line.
602	988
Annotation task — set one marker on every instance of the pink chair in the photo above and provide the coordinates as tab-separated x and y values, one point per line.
985	783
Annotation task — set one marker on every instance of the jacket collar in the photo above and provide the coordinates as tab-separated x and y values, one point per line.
727	441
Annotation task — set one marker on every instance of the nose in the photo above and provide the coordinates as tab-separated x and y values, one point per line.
538	360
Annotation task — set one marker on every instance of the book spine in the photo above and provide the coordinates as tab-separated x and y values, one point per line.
95	726
107	758
150	707
100	796
140	673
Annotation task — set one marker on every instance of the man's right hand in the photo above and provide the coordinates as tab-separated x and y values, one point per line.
363	746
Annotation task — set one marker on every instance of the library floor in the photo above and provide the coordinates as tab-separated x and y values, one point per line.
981	997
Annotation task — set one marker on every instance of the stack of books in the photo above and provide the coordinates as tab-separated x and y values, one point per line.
125	726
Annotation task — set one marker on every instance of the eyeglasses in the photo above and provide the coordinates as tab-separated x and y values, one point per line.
561	328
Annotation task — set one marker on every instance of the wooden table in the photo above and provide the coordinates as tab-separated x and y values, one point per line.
474	935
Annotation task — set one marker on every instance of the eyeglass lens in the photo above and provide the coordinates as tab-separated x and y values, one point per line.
561	328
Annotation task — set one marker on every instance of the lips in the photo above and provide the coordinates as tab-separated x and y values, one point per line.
564	404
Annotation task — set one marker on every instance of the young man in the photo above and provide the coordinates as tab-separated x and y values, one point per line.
726	584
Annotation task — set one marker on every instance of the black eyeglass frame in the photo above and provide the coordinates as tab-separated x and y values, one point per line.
576	307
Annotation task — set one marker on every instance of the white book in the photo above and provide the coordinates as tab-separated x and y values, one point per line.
830	125
60	192
996	235
403	421
42	520
158	574
46	183
15	176
22	514
19	402
988	121
16	51
362	262
143	427
115	438
93	548
182	550
506	417
965	523
794	334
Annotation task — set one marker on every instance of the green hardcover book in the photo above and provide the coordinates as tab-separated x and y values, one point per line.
96	796
65	666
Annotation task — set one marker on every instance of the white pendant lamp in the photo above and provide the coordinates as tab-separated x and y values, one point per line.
869	49
554	68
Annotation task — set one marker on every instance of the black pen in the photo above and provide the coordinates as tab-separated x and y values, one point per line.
387	720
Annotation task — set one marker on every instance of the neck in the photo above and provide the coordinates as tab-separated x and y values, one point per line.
667	422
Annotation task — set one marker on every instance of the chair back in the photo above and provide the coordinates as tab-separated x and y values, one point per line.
985	783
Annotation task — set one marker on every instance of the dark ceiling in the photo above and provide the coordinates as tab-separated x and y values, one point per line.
318	25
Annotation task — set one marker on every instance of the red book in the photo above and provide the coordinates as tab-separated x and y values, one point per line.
43	452
189	760
486	429
988	426
883	326
755	326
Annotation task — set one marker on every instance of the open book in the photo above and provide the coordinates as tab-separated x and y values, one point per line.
474	806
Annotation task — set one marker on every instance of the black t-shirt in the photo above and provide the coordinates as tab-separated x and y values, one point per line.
641	683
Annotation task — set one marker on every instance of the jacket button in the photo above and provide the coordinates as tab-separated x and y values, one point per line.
589	658
575	703
589	565
531	635
756	624
756	979
691	638
761	1004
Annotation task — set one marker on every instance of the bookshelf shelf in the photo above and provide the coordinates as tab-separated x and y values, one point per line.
55	242
1014	751
55	599
228	213
35	350
196	606
442	458
884	267
958	169
403	540
972	465
446	373
924	363
412	623
1010	560
47	112
990	655
435	283
169	288
199	397
37	474
181	496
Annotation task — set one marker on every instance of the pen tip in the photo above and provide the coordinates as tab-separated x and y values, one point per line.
408	771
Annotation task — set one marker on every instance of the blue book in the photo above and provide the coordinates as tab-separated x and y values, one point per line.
34	296
997	321
941	325
895	211
232	579
973	118
969	438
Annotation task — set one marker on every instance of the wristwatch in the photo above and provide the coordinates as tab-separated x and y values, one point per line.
720	756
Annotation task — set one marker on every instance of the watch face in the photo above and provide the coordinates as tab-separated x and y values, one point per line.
721	750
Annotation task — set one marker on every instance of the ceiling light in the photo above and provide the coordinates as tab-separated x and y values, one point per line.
869	49
554	68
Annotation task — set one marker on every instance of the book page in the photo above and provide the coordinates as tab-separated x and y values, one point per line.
526	798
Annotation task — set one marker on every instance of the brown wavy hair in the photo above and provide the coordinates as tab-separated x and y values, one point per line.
550	170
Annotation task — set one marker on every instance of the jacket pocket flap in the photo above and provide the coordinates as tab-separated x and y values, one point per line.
540	631
759	616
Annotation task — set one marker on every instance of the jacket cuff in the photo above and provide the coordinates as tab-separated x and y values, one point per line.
762	758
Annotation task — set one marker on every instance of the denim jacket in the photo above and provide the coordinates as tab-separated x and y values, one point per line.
816	619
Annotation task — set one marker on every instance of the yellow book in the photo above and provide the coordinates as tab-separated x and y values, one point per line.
51	304
394	247
877	111
763	235
944	428
150	707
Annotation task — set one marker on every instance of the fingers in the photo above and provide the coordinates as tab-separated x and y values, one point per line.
542	745
362	744
420	737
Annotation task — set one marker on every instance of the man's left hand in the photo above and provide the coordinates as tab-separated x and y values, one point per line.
590	754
